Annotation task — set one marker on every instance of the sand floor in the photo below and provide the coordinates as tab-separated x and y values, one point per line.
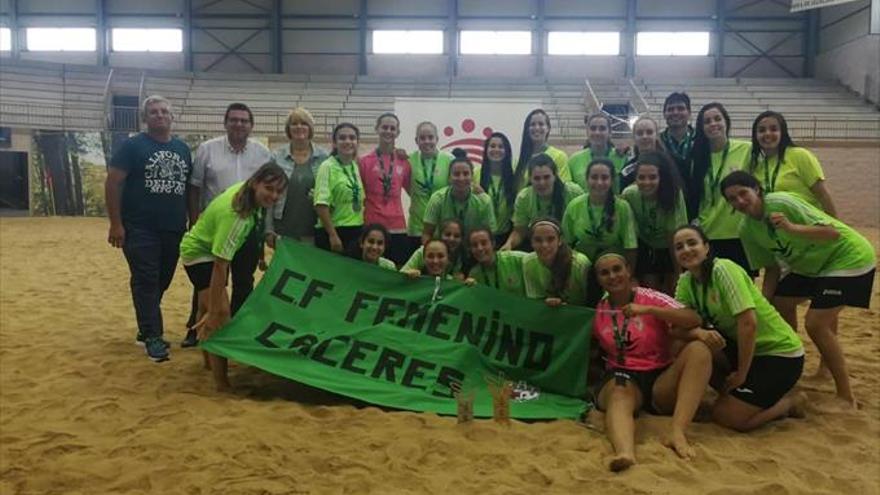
82	410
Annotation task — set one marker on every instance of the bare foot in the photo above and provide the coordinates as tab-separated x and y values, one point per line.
679	444
847	402
798	407
621	462
822	374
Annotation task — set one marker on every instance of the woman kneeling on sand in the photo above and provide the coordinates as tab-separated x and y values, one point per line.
633	326
764	355
213	241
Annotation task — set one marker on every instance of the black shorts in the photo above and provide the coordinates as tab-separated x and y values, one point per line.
200	275
348	235
653	261
733	250
828	292
643	380
769	378
397	249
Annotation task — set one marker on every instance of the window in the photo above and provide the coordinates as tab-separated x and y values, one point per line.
407	41
61	39
147	40
5	40
496	42
583	43
648	43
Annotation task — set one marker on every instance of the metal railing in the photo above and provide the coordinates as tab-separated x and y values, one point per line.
108	98
591	101
638	100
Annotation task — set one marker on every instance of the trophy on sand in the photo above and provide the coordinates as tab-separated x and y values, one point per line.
464	401
500	388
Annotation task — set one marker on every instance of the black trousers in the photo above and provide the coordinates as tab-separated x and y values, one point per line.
242	267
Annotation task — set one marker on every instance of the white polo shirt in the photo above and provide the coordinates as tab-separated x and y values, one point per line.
217	166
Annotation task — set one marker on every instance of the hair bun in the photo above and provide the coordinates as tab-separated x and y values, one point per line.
459	154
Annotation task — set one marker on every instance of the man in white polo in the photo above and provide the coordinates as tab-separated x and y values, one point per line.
220	163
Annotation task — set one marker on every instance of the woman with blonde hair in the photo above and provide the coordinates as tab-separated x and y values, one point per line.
293	215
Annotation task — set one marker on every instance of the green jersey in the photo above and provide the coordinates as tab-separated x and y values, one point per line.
529	206
220	231
417	262
505	274
503	211
475	211
717	218
537	278
848	255
584	230
386	264
339	187
798	172
559	158
654	224
729	292
579	162
429	175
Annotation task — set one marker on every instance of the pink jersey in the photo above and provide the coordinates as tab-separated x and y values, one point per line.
383	182
646	336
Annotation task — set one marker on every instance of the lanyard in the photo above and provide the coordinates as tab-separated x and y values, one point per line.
715	180
485	273
351	175
650	225
621	333
781	249
603	155
770	181
703	306
459	214
428	185
680	150
387	175
539	210
495	192
594	229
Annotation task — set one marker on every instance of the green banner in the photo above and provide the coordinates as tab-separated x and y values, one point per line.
370	333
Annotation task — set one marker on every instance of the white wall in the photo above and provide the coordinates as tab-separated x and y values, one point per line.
848	52
679	67
856	65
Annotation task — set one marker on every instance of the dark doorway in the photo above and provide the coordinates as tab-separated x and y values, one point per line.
13	181
125	113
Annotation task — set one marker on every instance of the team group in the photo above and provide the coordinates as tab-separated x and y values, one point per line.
664	241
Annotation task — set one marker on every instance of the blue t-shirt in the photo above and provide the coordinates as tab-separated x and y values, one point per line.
154	192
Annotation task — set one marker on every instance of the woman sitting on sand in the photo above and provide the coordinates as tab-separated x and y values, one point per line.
633	326
436	256
208	247
372	243
764	354
501	270
450	234
826	261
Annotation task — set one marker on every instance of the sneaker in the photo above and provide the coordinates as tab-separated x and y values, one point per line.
191	339
157	350
139	340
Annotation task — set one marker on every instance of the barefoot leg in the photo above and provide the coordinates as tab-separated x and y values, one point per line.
621	402
680	389
820	324
219	367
